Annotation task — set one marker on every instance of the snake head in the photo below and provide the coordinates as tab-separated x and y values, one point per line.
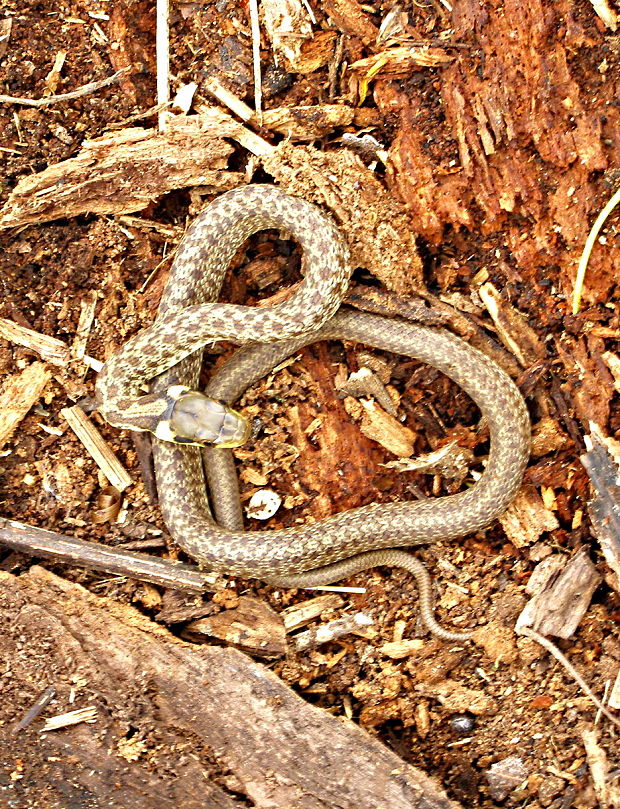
202	421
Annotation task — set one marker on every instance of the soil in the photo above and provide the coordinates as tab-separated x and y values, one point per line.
501	158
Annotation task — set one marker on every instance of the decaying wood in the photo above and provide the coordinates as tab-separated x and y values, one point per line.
97	447
297	615
123	172
174	720
307	123
604	507
382	427
351	18
252	627
375	224
359	623
512	328
288	25
116	561
18	395
527	518
365	383
561	591
48	348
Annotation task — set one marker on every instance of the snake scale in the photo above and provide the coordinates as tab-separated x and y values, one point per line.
190	318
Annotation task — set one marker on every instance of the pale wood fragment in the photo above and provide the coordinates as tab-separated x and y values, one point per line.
48	348
527	518
87	315
561	591
359	623
385	429
228	99
299	614
97	447
512	327
19	394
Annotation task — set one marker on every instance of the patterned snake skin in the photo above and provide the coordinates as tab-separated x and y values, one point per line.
187	320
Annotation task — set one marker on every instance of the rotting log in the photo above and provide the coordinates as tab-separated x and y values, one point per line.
178	725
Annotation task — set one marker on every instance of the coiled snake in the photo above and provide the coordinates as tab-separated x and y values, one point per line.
188	319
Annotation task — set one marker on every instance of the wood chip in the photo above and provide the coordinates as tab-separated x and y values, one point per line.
300	614
386	430
253	627
308	123
19	394
512	327
351	18
97	447
527	518
562	590
71	718
359	623
48	348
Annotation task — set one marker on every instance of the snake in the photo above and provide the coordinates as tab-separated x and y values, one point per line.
151	383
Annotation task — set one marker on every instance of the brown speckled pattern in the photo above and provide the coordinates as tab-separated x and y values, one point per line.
335	547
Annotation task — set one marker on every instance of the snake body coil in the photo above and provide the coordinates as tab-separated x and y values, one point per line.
188	319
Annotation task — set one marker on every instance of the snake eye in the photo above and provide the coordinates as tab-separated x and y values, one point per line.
198	419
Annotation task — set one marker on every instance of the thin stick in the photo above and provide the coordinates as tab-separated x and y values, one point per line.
553	649
162	47
31	714
94	556
258	93
585	256
87	89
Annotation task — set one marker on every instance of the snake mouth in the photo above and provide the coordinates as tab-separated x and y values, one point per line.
199	420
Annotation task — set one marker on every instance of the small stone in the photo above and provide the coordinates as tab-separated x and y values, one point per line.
263	504
462	723
504	776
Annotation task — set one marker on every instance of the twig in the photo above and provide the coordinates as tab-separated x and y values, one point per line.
553	649
31	714
87	89
96	446
258	94
94	556
587	250
162	47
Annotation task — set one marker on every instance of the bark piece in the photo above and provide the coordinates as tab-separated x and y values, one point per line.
561	591
198	711
125	171
350	17
307	123
19	394
253	627
604	507
376	226
527	518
